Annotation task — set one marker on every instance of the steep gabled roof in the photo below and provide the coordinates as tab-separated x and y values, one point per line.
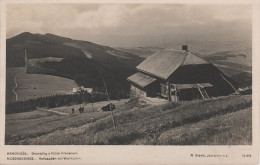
163	63
141	79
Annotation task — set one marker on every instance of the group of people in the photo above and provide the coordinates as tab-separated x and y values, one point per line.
81	110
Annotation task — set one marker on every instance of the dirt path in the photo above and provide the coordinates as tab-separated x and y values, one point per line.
49	110
16	85
87	107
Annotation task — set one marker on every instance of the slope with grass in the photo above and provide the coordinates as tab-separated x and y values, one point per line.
34	85
85	62
214	121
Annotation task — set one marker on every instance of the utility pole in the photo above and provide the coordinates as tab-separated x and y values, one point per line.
123	96
164	41
25	55
25	60
186	38
109	105
92	102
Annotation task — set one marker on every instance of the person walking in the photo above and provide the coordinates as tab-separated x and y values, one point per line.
72	110
80	109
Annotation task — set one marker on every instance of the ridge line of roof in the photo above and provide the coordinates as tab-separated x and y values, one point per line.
177	58
197	55
184	58
155	54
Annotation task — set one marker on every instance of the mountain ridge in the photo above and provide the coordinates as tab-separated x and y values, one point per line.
85	62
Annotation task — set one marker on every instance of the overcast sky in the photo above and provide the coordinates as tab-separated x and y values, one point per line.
132	25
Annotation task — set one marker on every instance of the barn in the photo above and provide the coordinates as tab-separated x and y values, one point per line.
178	75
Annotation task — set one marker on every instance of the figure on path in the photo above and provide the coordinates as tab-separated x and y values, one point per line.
80	109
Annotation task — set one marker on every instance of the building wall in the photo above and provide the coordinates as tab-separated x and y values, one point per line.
206	73
153	89
136	92
188	74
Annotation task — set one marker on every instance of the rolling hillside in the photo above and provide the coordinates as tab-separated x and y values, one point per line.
85	62
219	121
49	45
31	86
88	63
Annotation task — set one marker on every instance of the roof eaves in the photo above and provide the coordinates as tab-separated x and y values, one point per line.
151	74
142	86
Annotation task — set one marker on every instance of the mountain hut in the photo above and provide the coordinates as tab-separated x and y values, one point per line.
178	75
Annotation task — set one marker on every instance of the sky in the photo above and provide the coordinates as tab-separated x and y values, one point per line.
133	25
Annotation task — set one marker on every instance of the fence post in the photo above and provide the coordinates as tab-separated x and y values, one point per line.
123	96
92	102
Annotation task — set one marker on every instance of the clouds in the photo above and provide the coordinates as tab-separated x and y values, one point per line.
131	24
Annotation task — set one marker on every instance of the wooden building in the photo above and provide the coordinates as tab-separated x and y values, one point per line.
179	75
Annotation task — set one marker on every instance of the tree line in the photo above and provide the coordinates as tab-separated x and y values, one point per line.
62	100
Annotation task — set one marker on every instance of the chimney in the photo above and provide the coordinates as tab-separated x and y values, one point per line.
185	47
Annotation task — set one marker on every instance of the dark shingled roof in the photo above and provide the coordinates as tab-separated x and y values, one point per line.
163	63
141	79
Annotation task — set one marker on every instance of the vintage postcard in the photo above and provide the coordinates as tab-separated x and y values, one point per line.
129	82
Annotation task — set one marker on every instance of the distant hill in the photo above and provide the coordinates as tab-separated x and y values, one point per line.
232	57
37	46
85	62
50	45
141	51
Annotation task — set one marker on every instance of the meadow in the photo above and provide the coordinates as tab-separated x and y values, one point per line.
35	85
218	121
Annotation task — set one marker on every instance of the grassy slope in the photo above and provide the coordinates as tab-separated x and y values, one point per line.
197	122
35	85
232	129
108	63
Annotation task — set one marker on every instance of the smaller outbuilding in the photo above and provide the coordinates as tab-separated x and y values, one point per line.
82	89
